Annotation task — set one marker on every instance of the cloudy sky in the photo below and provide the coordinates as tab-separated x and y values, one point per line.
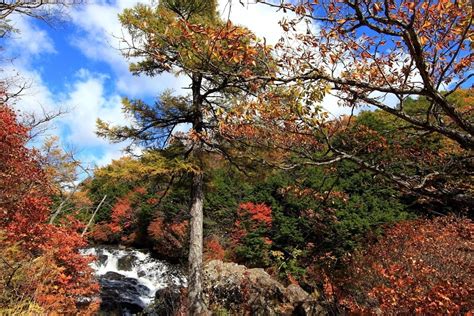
77	66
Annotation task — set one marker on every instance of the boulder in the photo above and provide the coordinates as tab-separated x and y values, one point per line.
167	302
126	262
102	259
238	290
121	295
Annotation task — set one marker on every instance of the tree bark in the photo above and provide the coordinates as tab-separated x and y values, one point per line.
63	202
196	303
93	215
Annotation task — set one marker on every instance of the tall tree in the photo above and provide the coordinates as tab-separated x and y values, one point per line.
188	38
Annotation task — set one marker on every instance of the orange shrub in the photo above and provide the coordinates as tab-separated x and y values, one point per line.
169	239
54	274
423	266
121	225
213	249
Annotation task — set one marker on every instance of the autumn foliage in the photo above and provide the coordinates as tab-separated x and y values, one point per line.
120	227
250	240
250	217
213	249
423	266
169	238
40	262
121	217
382	54
257	213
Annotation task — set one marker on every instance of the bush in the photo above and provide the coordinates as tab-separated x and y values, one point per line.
170	239
213	249
54	281
423	266
40	263
249	237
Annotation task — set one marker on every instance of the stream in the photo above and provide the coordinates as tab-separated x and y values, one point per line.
129	278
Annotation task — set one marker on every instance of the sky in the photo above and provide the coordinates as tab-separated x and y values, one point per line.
76	66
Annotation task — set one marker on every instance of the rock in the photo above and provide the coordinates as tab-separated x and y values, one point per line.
242	291
167	302
295	293
125	263
121	295
309	308
102	259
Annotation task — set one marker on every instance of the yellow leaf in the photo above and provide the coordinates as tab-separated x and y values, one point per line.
423	40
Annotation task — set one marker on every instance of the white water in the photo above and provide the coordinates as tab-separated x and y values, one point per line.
148	271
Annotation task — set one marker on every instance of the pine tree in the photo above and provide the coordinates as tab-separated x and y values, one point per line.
220	59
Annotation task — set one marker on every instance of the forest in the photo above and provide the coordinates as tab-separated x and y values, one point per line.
240	193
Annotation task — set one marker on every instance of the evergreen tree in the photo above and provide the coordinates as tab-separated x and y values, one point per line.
188	38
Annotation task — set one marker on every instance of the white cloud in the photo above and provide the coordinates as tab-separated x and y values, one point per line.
30	41
100	39
85	100
21	48
113	152
35	96
88	102
261	19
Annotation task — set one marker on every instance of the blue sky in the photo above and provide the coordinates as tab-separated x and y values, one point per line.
76	65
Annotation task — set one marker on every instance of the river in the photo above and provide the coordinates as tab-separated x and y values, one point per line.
130	278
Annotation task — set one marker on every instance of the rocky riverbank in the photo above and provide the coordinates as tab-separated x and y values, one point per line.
237	290
133	282
232	289
130	278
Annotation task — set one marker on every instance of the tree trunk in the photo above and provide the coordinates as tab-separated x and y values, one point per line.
63	202
196	303
93	215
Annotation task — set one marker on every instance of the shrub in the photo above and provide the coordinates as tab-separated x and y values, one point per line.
41	264
213	249
424	266
53	282
169	238
250	234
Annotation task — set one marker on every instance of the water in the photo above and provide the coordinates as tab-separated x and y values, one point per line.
130	278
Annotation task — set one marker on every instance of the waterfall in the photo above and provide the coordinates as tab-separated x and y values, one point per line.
130	278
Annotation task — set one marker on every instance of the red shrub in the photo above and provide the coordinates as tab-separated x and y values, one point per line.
24	209
250	217
213	249
140	190
260	213
121	217
121	223
156	228
170	239
250	242
179	229
102	233
422	266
